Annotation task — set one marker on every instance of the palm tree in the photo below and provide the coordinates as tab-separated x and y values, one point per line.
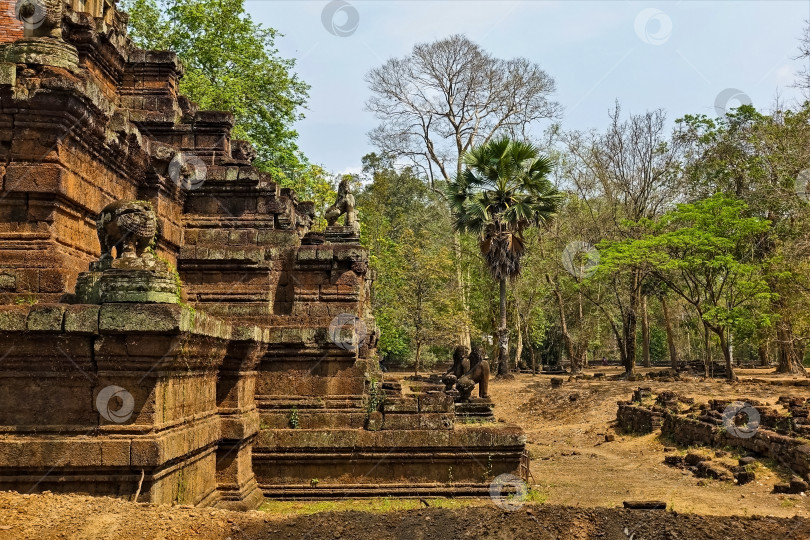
503	190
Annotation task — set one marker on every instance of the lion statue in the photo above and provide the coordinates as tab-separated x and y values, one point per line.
41	18
343	205
127	226
478	373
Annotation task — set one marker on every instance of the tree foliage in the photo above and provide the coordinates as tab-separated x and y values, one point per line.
231	64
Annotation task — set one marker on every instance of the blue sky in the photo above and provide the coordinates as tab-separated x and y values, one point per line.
676	55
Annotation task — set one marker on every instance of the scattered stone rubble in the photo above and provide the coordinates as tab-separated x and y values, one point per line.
747	425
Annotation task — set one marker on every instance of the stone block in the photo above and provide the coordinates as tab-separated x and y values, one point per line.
215	237
240	238
403	405
307	253
146	318
435	402
375	421
39	178
8	281
115	453
8	74
744	477
13	318
46	318
52	281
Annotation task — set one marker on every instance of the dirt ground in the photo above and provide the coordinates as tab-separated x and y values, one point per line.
581	478
46	517
573	465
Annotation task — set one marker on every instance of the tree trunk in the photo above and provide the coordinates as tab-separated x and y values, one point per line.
645	333
519	346
464	334
629	324
673	352
725	346
503	335
418	358
569	342
762	351
790	361
707	358
531	350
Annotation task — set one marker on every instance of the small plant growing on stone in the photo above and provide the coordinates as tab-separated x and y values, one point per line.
29	300
376	397
450	474
314	482
294	418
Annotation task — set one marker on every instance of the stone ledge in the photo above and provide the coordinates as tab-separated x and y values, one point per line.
159	318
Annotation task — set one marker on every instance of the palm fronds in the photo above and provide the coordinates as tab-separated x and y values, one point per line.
503	189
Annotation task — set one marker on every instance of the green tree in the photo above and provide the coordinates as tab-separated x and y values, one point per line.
231	64
407	231
503	190
624	174
447	97
704	252
759	158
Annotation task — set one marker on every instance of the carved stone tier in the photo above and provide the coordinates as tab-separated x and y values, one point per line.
342	235
146	280
410	461
239	420
105	399
476	409
41	51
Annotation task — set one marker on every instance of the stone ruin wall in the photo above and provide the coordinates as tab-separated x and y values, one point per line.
215	381
779	435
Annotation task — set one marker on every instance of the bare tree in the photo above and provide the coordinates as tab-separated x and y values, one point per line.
448	96
631	171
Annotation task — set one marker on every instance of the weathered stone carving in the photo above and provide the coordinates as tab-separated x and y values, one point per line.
41	18
477	374
461	365
127	226
134	275
343	205
43	44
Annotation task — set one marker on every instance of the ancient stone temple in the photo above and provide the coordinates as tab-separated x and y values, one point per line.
171	330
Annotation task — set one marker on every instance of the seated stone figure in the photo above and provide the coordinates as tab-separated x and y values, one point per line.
127	226
461	365
343	205
477	374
